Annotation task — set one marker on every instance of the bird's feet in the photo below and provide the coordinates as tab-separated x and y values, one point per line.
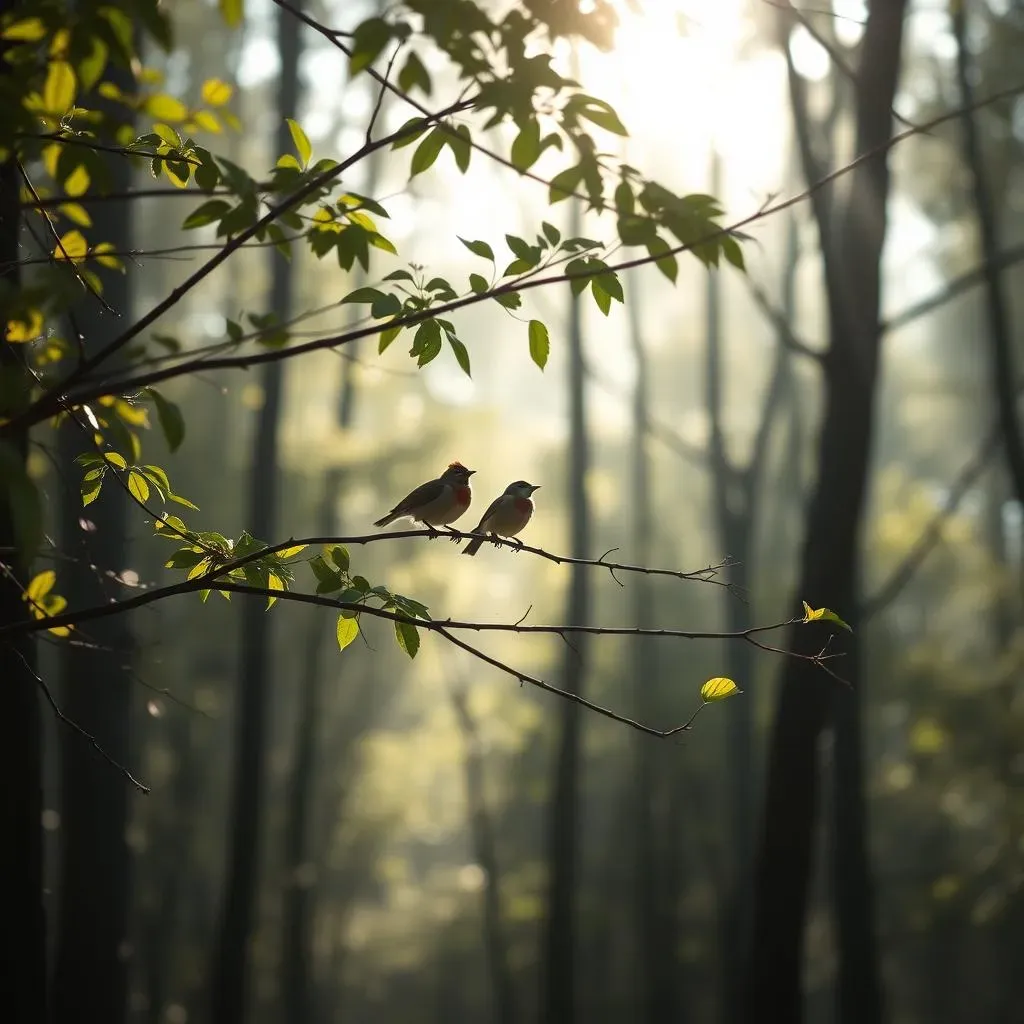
432	534
456	536
517	545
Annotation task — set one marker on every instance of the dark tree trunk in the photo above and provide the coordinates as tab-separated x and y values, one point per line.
23	947
653	867
485	850
91	969
558	991
230	972
851	247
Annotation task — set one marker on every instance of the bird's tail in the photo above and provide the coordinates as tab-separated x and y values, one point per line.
386	520
473	546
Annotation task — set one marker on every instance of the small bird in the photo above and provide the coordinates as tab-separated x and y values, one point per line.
506	516
437	502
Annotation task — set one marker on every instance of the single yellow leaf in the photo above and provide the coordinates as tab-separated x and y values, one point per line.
216	92
59	89
73	246
51	154
207	121
166	108
27	329
77	182
116	459
348	630
718	688
274	582
77	213
198	569
59	43
40	586
286	553
29	30
138	486
106	261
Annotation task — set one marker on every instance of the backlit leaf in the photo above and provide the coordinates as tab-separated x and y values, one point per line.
408	637
540	345
718	688
347	630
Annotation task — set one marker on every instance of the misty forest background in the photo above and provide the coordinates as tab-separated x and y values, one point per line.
432	842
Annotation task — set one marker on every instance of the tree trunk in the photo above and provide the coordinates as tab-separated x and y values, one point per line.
23	950
230	973
91	970
655	913
559	941
829	577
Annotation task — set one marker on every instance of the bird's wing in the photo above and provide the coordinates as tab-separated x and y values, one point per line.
491	509
420	496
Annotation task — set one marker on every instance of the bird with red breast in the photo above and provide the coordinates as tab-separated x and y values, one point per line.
506	516
437	502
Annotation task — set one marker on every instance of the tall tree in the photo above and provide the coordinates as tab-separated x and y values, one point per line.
558	951
23	949
851	228
230	973
91	971
655	873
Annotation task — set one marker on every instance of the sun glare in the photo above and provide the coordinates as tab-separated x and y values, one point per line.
681	83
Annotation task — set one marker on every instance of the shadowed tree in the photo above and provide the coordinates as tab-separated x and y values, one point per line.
229	977
851	227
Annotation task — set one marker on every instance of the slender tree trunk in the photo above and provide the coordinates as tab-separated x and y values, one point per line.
91	969
558	958
655	914
230	972
1004	373
23	947
485	850
829	577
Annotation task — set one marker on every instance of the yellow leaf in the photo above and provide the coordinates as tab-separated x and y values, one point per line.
60	630
166	108
232	11
199	568
25	329
150	76
136	415
323	216
718	688
116	459
106	261
40	586
72	246
176	179
216	92
286	553
77	213
823	614
348	630
29	30
138	486
59	90
207	121
77	182
51	154
59	43
274	582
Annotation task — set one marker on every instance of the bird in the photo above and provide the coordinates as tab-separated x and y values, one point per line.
506	516
437	502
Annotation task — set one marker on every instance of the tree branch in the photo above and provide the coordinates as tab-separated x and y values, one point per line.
92	391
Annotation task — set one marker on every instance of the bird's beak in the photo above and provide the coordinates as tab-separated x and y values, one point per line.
534	487
470	472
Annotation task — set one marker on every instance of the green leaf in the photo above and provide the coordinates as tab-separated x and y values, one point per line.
526	147
478	248
427	152
210	211
461	354
551	233
346	631
364	295
540	345
733	253
172	423
460	143
478	283
823	615
302	145
600	113
368	40
408	637
718	689
138	486
414	75
341	557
